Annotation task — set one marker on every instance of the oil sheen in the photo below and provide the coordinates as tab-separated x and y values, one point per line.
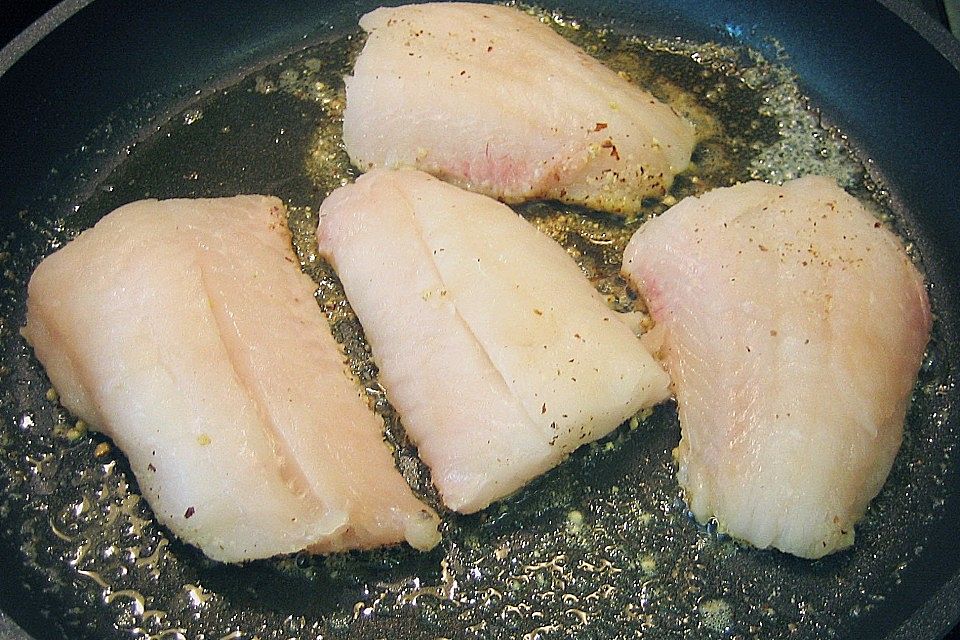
600	547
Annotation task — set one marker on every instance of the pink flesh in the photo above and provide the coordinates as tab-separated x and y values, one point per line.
490	99
499	355
185	330
794	327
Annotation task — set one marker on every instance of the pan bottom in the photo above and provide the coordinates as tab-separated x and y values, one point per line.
602	546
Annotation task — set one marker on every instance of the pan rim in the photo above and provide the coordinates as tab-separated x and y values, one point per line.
939	613
946	44
29	37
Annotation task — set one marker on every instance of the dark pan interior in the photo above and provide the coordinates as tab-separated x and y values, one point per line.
114	71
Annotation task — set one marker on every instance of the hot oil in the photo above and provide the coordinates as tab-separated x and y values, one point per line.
600	547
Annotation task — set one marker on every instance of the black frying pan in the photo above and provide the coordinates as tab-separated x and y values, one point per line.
90	81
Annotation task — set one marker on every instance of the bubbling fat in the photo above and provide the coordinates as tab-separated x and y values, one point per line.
602	545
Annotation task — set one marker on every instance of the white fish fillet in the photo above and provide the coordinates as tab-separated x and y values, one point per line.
491	99
185	330
794	325
498	354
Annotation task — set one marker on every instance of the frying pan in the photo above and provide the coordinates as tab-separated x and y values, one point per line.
85	89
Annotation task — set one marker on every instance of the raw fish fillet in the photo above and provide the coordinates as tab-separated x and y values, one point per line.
793	326
496	351
491	99
185	331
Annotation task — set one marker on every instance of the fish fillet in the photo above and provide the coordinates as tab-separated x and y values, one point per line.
793	327
185	331
498	354
491	99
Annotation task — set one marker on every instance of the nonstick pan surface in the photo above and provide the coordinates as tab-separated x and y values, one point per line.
123	101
